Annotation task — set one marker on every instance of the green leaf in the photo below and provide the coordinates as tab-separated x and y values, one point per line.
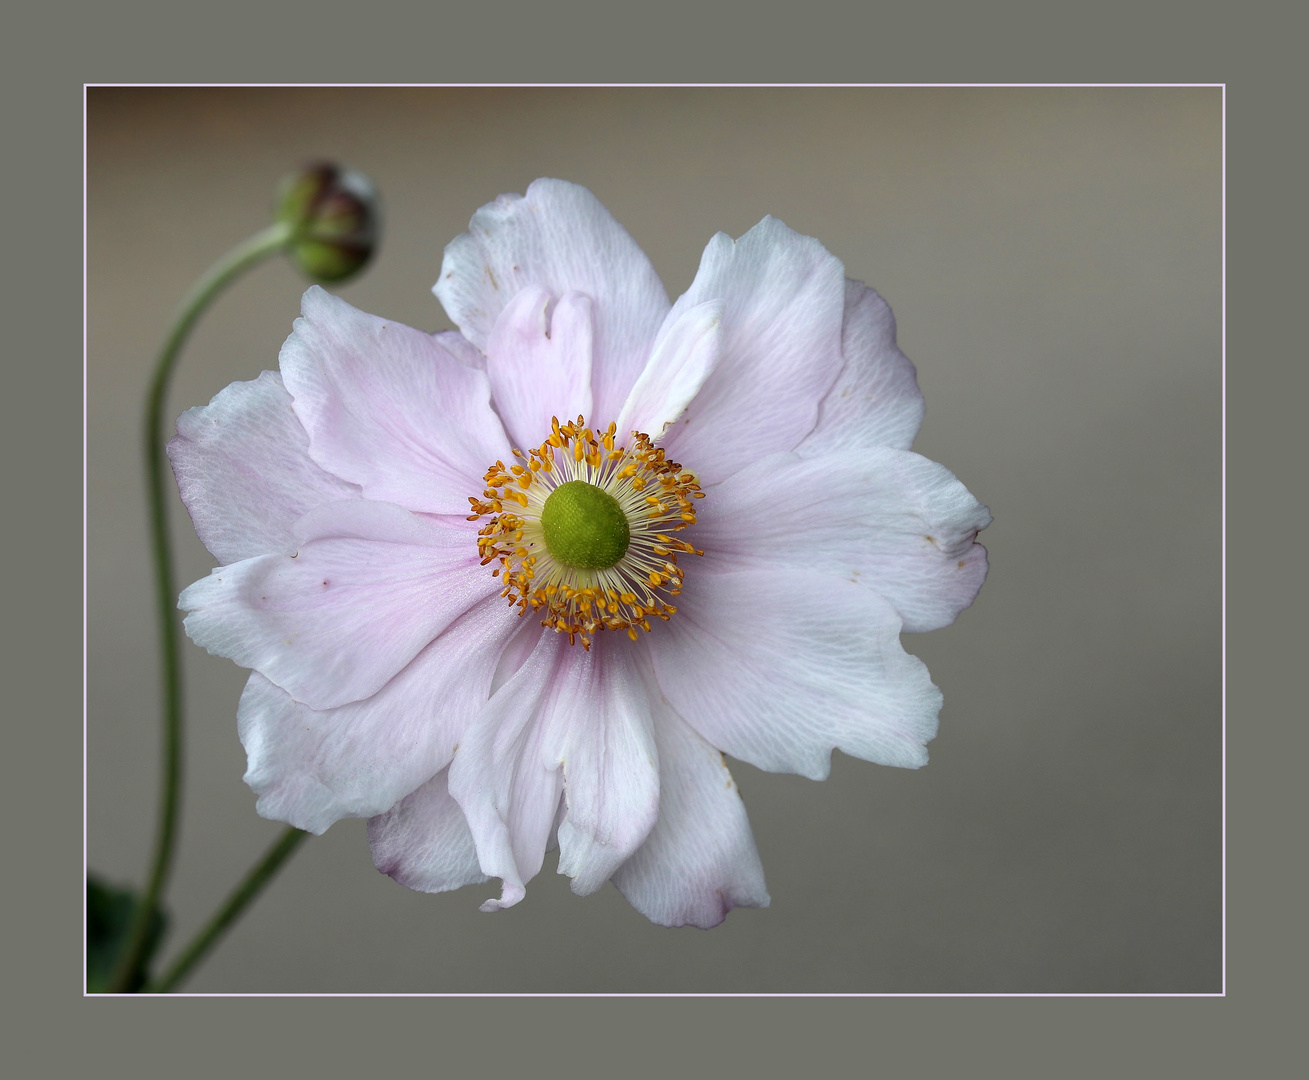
109	913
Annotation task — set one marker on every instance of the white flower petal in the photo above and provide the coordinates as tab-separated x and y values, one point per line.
777	668
423	841
566	720
875	400
560	237
516	653
699	860
244	472
600	732
781	349
312	768
461	349
370	586
507	792
684	356
539	363
388	408
891	520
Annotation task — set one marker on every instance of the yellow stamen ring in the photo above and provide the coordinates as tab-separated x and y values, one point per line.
654	497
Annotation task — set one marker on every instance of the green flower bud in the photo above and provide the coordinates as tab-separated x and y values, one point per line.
336	217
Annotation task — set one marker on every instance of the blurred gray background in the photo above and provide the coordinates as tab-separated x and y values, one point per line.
1053	260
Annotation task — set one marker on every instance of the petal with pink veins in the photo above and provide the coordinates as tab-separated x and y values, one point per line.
311	768
875	400
461	349
569	722
558	236
389	408
244	472
891	520
424	843
778	668
600	731
508	791
539	363
685	355
370	586
783	297
699	860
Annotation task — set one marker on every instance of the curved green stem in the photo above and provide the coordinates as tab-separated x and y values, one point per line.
249	888
241	258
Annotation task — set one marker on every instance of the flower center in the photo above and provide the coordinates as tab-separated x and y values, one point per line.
584	527
581	530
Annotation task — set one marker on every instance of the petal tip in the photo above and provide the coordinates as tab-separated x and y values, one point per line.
509	896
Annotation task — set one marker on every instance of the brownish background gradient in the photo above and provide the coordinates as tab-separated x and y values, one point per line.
1053	260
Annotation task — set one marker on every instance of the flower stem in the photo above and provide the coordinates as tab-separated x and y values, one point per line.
225	915
241	258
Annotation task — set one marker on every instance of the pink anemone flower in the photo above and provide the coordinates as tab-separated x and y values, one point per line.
524	585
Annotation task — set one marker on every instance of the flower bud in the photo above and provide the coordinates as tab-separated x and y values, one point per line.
336	218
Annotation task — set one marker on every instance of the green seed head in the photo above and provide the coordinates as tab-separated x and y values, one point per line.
584	527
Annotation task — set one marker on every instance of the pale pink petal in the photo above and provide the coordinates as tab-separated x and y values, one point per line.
388	408
370	586
699	860
508	791
461	349
781	348
539	363
685	355
423	842
560	237
891	520
244	472
311	768
572	722
599	731
875	400
777	668
516	653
